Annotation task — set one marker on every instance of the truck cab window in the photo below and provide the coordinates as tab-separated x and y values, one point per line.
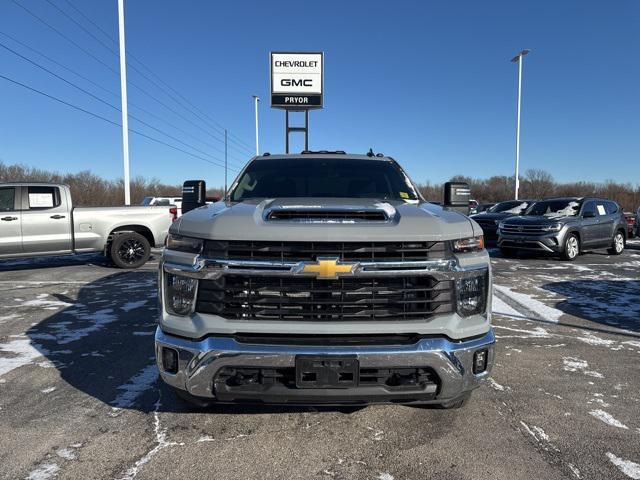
7	199
41	198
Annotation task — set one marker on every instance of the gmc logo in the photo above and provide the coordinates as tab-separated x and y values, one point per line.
292	82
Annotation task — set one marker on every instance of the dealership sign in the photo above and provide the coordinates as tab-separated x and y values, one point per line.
297	80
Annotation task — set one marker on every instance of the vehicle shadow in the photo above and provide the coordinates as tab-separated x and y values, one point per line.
613	303
102	344
96	259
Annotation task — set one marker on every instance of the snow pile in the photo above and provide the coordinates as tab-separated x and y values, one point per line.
570	210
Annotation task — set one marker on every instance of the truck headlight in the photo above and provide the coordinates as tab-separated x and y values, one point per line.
471	295
180	294
184	244
464	245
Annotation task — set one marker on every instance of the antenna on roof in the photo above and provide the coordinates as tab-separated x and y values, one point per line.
370	153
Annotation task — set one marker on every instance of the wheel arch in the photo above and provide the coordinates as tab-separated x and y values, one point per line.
141	229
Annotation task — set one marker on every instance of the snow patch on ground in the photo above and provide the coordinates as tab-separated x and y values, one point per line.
546	312
608	419
573	364
495	385
629	468
23	351
161	443
43	472
385	476
66	453
136	386
536	432
499	307
48	390
66	332
127	307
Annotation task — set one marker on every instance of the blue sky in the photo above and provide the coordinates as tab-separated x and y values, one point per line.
429	83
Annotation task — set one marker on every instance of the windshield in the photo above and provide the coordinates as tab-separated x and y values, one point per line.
320	177
513	206
555	208
147	201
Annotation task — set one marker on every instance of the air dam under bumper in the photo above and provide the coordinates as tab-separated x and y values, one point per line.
201	364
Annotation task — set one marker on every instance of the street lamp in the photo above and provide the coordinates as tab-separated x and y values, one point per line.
256	100
123	97
518	58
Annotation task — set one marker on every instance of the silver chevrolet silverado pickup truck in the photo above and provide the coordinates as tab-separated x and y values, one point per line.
324	279
39	219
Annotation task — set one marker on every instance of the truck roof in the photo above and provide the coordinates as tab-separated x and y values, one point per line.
19	184
324	154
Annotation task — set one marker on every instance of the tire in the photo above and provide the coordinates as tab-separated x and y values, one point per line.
192	400
507	252
617	246
571	248
129	250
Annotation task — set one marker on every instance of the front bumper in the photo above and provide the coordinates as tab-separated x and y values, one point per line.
200	363
549	243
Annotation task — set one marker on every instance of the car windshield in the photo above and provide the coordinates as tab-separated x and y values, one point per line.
512	206
555	208
323	177
147	200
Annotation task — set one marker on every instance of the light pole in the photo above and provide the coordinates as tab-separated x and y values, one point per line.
123	95
256	99
518	58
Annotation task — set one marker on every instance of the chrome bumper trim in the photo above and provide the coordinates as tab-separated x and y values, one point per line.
199	361
204	268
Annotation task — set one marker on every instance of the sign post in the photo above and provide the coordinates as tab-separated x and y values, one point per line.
297	82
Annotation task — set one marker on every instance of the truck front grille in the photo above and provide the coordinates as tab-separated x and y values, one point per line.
310	251
346	299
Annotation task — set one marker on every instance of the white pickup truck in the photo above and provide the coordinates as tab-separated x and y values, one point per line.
39	219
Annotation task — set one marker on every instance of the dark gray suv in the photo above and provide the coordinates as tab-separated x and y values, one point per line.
565	226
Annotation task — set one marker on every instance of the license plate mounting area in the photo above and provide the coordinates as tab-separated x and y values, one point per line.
327	371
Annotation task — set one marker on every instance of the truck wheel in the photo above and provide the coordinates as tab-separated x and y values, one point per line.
618	244
192	400
571	247
129	250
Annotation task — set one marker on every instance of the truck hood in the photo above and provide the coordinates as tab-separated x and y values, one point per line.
248	220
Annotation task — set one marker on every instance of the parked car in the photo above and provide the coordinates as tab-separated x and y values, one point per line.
164	202
490	219
632	224
483	207
304	284
473	206
40	219
565	227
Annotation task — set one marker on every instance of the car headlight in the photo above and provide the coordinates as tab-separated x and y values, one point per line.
184	244
464	245
180	294
556	227
471	295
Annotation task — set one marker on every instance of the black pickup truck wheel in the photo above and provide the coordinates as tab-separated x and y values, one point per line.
129	250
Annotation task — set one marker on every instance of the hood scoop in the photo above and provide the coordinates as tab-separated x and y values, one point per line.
327	215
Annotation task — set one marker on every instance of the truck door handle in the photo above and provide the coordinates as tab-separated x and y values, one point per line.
8	219
56	217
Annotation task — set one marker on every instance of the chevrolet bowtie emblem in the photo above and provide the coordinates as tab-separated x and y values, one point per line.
328	269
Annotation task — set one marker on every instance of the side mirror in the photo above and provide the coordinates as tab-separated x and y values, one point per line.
589	215
456	196
194	193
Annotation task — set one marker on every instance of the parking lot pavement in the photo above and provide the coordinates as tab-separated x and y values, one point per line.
80	396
